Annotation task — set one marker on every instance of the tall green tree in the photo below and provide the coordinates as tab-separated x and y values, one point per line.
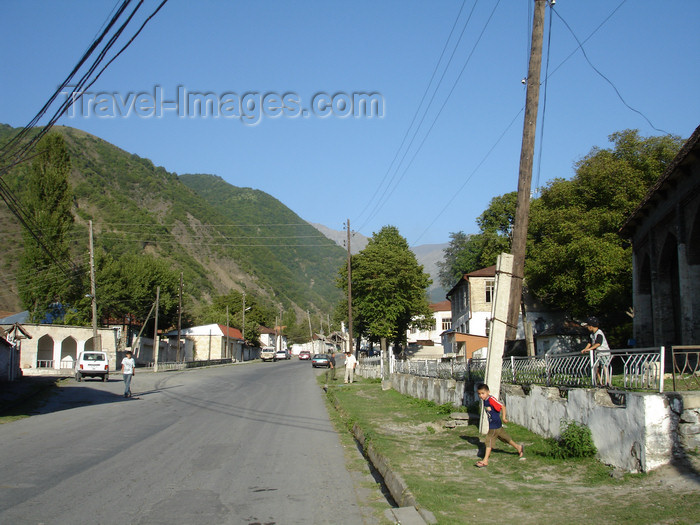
44	277
576	259
466	253
388	287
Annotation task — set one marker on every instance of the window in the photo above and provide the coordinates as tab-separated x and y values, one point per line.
447	323
489	290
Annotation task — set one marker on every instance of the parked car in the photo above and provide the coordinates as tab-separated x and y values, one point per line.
304	355
92	364
321	360
267	353
282	354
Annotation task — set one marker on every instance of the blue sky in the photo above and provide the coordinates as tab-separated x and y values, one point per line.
333	168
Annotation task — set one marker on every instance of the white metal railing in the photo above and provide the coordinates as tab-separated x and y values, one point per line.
638	369
686	367
44	363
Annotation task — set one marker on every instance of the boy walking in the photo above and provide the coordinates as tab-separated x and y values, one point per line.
496	412
128	365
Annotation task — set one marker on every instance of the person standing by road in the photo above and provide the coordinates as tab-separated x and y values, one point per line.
350	364
128	366
599	345
331	363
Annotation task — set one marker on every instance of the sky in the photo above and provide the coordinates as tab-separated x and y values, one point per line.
446	78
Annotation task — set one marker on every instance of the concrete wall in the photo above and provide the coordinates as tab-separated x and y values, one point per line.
645	433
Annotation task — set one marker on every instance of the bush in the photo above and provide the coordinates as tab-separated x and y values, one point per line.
575	441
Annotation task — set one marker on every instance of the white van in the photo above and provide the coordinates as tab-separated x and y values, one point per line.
92	364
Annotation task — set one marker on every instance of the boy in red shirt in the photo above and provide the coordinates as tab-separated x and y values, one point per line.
494	409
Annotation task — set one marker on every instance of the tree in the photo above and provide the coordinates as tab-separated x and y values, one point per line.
467	253
44	276
388	287
576	260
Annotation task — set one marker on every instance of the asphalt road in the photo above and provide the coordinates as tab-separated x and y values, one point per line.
247	443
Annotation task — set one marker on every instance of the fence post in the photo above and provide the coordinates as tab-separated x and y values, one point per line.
547	371
590	355
512	368
662	358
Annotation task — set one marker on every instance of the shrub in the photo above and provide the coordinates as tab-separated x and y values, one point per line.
575	441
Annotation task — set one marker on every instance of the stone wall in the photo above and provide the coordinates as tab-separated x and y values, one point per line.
645	432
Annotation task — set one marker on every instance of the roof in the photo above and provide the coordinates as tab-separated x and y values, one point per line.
489	271
690	152
266	330
218	330
442	306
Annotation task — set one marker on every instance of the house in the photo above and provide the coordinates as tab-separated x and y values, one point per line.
426	341
53	349
211	341
268	336
10	351
665	235
471	301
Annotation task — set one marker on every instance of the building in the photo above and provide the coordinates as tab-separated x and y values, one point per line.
665	234
53	349
426	341
211	341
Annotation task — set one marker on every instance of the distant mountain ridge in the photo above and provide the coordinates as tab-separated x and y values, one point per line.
427	254
220	236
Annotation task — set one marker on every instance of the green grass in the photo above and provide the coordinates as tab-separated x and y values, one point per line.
438	466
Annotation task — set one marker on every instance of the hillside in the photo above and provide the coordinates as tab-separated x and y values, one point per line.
220	236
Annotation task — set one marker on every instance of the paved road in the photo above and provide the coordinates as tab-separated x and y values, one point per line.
247	443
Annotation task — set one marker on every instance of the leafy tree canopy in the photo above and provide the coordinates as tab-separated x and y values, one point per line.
388	287
467	253
576	260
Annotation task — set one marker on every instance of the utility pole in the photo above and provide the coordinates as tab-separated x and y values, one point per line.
349	295
179	321
226	352
156	343
96	342
243	330
525	172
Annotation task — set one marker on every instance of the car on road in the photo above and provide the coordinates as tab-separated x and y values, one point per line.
321	360
304	355
282	354
92	364
267	353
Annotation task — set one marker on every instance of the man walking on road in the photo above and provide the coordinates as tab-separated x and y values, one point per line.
350	364
128	365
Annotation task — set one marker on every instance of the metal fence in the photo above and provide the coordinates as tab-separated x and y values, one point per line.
686	367
637	369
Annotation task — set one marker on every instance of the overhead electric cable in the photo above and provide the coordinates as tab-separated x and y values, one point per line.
437	116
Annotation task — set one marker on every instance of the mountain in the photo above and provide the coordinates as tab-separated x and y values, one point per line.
427	254
220	236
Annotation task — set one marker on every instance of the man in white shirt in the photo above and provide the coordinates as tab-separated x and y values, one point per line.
350	364
599	345
128	365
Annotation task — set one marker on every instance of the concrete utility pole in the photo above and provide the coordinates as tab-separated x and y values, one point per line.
349	295
96	342
525	173
243	330
497	334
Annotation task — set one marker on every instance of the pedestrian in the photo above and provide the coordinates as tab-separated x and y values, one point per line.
128	366
496	413
599	345
350	364
331	363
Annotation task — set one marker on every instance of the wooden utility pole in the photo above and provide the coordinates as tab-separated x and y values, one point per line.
349	294
243	330
179	321
156	342
525	173
96	342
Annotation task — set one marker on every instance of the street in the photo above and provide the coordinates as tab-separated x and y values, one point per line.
247	443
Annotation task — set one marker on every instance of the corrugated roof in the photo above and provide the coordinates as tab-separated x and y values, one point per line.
442	306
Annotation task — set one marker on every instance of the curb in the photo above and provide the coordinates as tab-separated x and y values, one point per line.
408	512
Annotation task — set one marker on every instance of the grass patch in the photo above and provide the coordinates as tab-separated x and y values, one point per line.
438	466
